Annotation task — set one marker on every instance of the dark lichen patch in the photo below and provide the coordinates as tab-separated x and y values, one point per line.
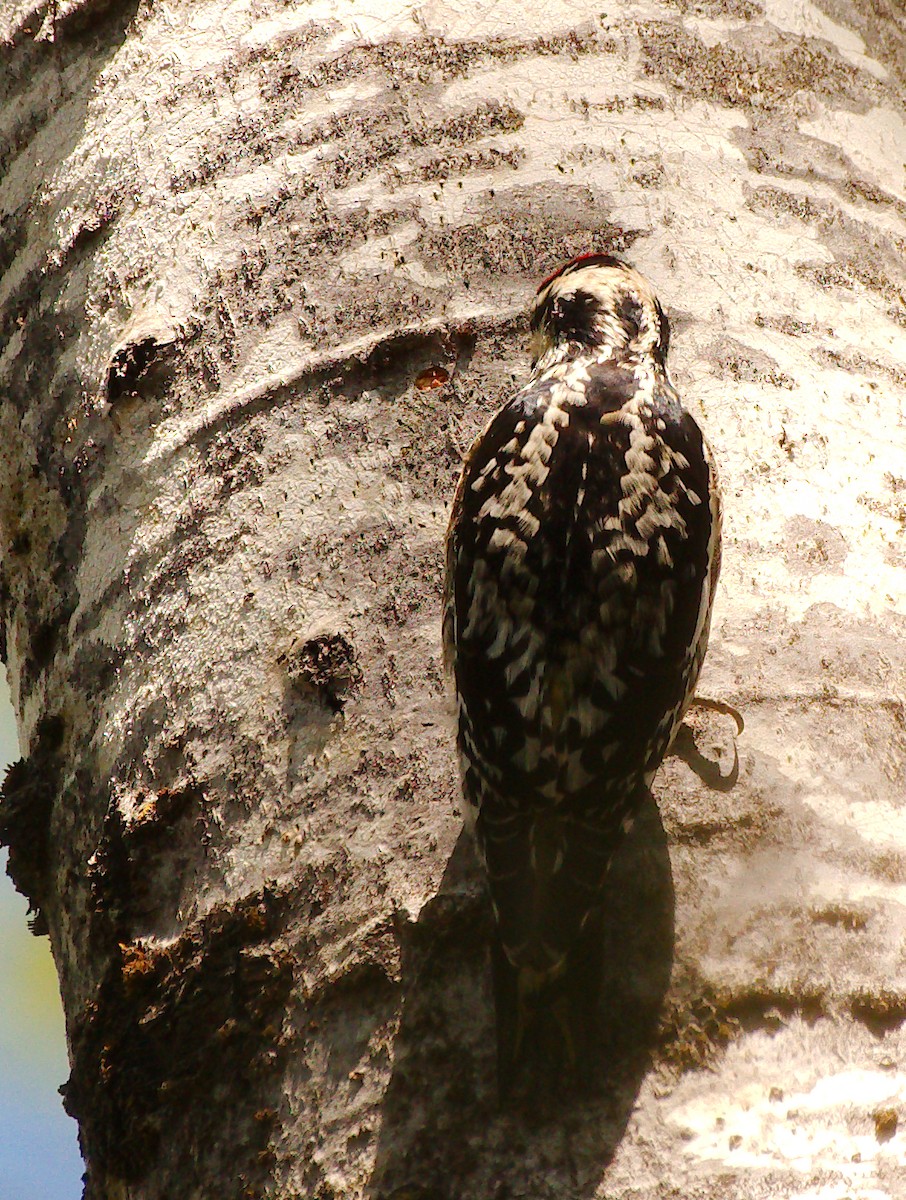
880	1013
274	277
30	790
167	1023
451	60
861	189
853	274
730	74
354	144
649	173
813	547
455	163
359	551
810	161
397	304
411	591
879	264
421	451
778	200
889	865
746	364
737	10
841	917
269	65
559	224
860	364
234	458
637	102
791	326
699	1023
692	1034
892	505
426	61
397	134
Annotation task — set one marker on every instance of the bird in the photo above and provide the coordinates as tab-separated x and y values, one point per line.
582	555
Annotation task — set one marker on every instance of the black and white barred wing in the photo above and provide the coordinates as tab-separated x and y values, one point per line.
582	551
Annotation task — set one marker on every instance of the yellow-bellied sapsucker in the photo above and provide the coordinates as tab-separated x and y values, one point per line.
582	556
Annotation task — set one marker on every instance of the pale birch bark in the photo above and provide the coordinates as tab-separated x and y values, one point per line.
239	242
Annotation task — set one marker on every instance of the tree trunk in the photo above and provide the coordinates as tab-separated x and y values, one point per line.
265	268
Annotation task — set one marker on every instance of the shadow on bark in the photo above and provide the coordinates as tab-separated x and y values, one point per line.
444	1137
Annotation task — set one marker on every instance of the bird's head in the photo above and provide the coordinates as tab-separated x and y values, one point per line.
596	302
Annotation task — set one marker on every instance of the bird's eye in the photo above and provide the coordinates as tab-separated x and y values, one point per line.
629	312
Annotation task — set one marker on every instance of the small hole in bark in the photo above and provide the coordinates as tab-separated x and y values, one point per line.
432	377
325	664
128	367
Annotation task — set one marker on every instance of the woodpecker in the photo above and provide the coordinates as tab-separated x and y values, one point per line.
582	556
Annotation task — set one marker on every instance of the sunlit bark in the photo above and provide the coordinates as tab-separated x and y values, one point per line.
265	267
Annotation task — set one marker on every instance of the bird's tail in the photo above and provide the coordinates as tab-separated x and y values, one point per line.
547	1017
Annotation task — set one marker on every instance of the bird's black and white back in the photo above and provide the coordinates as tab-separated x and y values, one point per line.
582	555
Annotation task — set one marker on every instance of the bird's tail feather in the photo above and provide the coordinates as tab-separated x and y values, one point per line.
550	1019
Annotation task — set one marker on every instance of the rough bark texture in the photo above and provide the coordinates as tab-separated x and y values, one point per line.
265	266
